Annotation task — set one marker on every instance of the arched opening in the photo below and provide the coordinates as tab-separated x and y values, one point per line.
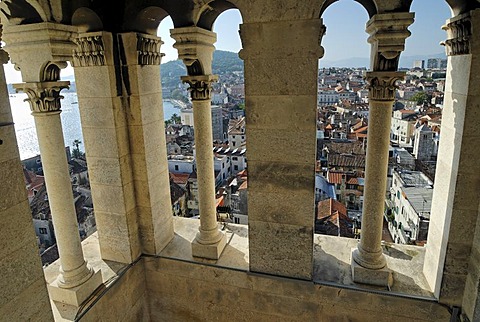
228	100
342	121
414	131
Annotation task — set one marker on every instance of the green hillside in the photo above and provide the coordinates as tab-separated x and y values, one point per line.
224	62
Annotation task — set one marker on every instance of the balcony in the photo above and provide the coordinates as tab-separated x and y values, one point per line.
176	286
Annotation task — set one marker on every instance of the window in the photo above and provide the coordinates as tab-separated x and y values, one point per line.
176	167
234	158
233	143
237	220
235	167
42	231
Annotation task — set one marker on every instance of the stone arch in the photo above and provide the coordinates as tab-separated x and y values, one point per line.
461	6
22	12
212	10
147	20
369	5
86	20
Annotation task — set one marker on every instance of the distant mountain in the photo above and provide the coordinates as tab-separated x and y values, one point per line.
226	62
223	62
405	61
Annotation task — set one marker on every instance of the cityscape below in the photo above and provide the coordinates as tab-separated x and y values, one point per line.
342	128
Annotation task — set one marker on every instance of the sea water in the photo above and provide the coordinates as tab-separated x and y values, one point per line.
71	123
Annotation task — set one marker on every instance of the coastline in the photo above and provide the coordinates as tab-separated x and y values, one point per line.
176	103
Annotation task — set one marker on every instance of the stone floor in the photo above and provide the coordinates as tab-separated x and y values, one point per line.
331	258
331	261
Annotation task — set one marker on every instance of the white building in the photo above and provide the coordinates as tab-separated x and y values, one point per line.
186	115
424	146
327	97
238	160
219	98
222	168
236	133
181	164
403	124
410	203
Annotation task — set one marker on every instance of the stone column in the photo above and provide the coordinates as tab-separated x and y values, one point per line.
195	47
209	242
44	99
22	286
146	128
369	253
104	113
387	38
281	74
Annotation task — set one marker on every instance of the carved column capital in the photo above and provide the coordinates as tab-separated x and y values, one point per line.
90	50
200	86
459	34
43	96
195	47
388	32
148	50
381	85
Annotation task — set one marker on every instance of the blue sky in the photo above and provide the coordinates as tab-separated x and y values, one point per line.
345	38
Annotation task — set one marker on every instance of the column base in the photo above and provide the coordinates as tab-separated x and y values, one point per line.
75	296
377	277
210	251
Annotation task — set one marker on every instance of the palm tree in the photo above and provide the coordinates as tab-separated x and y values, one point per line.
175	119
76	151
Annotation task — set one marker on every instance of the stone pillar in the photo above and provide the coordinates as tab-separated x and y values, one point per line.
209	242
22	286
146	128
44	99
387	38
195	47
104	113
452	258
369	254
40	51
281	73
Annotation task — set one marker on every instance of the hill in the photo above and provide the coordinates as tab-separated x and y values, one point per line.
224	62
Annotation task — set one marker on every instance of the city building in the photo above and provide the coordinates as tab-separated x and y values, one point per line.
144	264
424	146
411	200
402	126
436	63
419	64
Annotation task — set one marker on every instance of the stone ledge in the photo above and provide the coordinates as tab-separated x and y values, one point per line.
331	260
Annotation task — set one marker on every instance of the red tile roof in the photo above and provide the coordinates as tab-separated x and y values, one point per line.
335	177
180	178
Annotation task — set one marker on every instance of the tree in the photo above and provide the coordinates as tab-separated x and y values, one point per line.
175	119
420	98
76	151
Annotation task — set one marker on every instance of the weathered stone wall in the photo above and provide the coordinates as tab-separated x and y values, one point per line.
126	300
182	291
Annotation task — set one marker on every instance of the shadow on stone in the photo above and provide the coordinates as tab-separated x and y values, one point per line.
395	253
328	268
